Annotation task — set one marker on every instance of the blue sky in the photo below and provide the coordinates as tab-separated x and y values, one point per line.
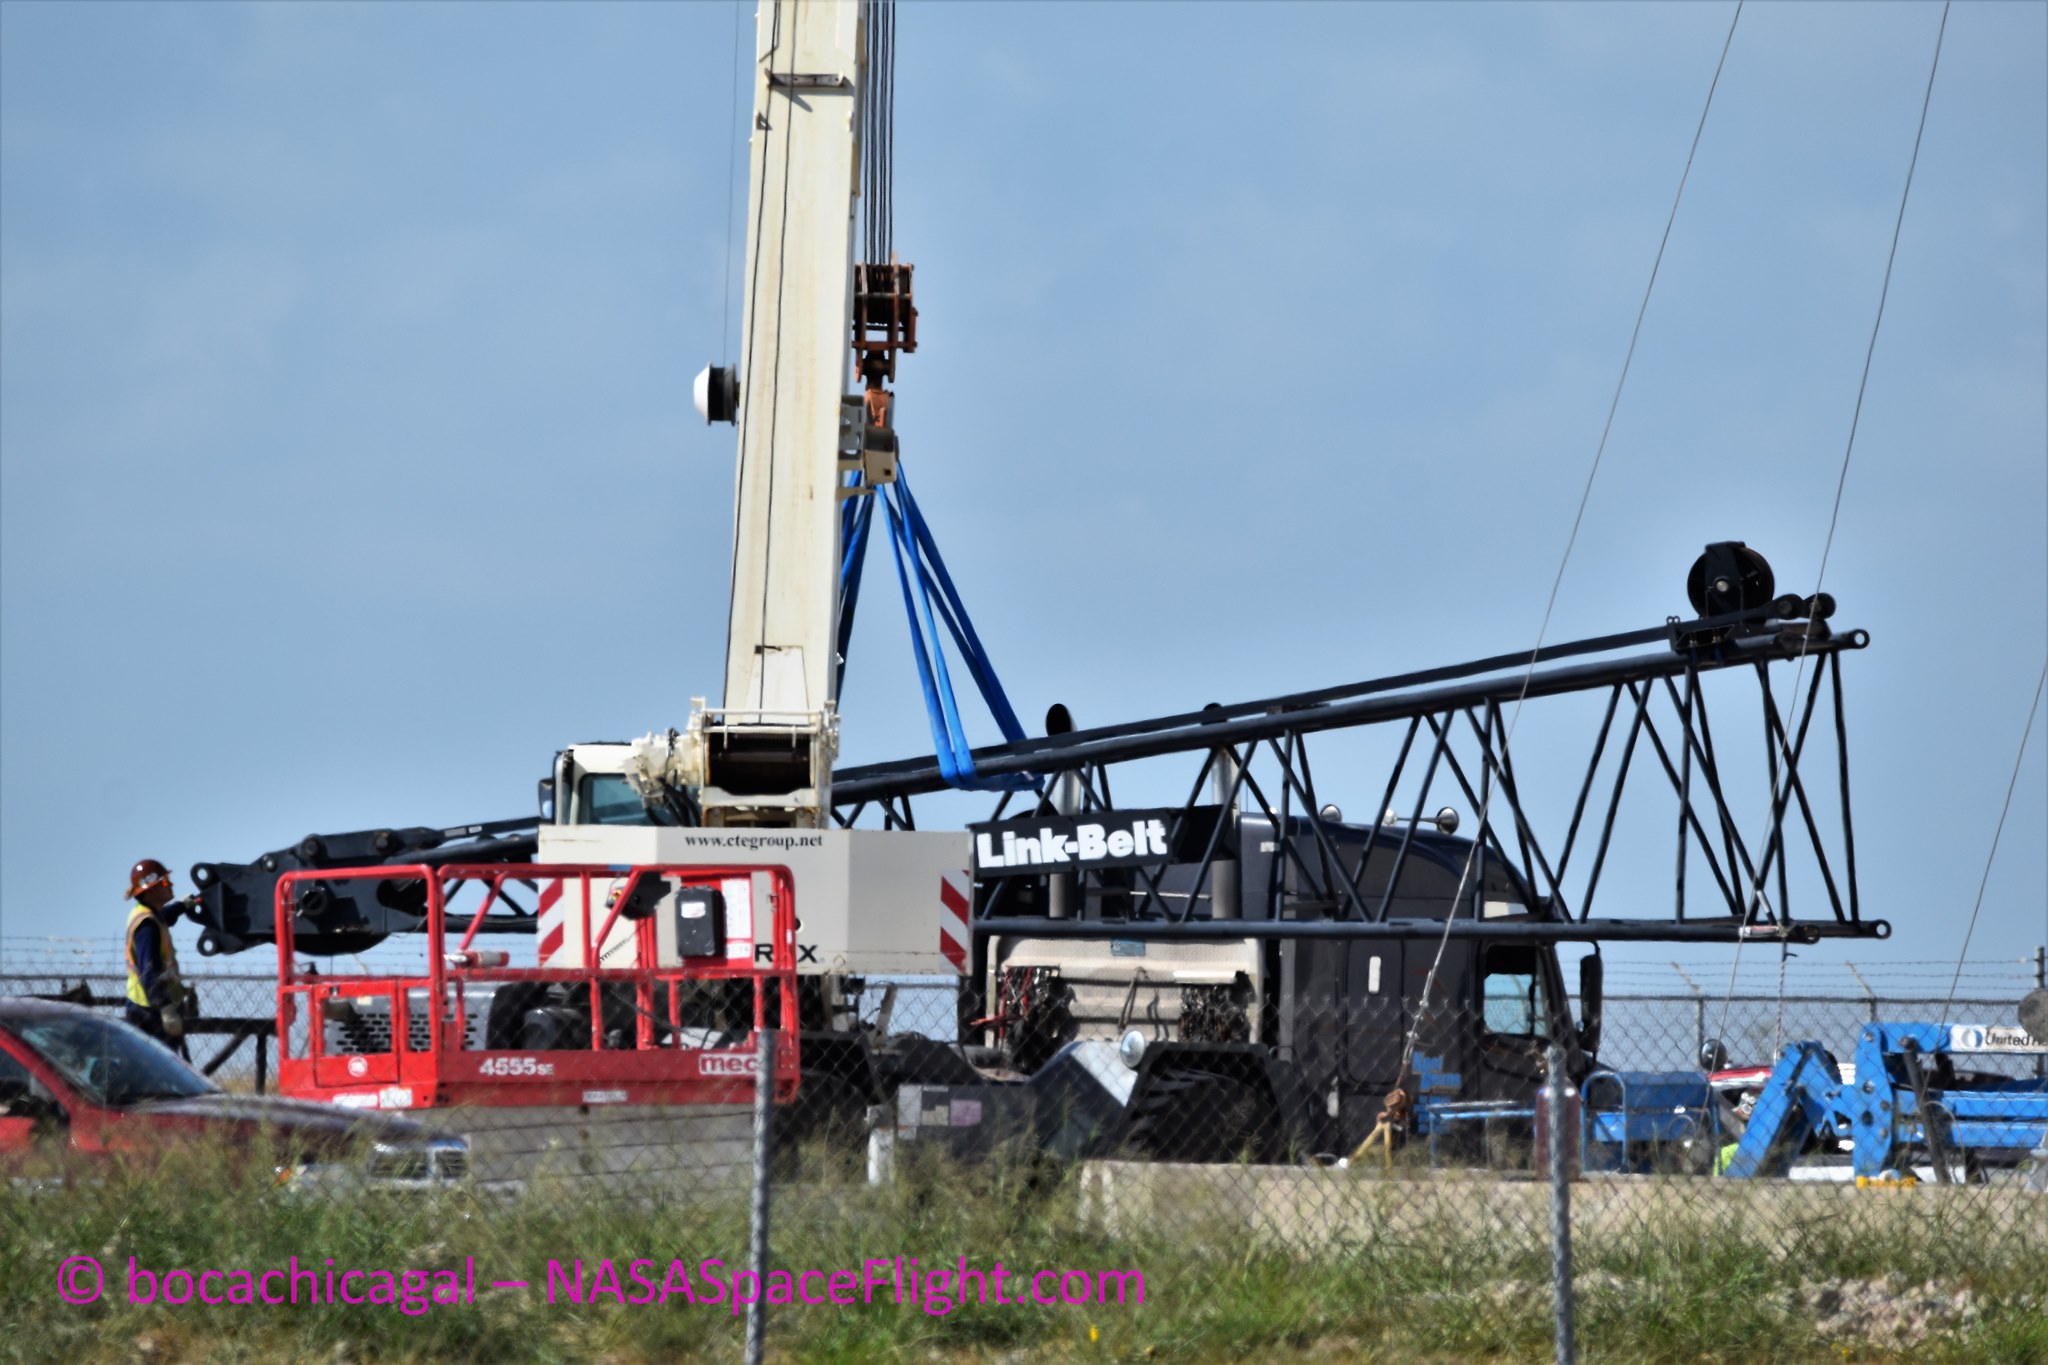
347	465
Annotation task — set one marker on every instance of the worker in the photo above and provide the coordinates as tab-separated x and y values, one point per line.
158	1000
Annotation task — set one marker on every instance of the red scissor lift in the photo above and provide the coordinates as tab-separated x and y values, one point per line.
446	1064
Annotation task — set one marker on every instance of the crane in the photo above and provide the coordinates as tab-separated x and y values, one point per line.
711	831
1234	923
752	776
815	320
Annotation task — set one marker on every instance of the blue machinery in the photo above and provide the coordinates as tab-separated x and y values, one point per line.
1903	1096
1904	1104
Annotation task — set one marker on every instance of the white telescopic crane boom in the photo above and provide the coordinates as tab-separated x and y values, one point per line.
871	900
794	367
765	756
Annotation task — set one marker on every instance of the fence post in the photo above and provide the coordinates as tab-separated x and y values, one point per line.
1869	995
2041	983
1560	1206
757	1251
1699	1015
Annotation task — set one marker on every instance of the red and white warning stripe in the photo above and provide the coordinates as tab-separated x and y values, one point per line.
953	913
553	916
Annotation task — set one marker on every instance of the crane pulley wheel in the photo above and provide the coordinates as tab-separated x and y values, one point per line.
1729	577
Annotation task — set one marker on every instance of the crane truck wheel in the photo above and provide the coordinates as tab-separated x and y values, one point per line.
1186	1114
827	1126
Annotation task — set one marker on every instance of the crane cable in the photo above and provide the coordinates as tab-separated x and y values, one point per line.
878	132
2005	810
930	598
1780	796
1578	519
877	190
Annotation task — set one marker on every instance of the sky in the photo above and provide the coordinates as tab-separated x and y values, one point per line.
348	467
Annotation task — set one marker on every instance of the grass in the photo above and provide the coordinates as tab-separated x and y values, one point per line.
1697	1283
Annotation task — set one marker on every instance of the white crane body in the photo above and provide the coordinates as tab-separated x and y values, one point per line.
758	769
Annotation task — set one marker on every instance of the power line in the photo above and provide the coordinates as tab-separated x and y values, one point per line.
1884	292
1578	519
732	156
1778	798
1997	830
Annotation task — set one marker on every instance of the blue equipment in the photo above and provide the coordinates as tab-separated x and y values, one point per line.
1905	1096
929	598
1648	1120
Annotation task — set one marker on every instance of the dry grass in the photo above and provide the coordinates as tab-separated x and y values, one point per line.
1706	1286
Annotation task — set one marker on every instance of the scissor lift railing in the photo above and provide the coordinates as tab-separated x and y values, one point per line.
460	1057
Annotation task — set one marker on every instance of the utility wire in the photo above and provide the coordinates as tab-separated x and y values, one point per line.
1884	292
1578	520
732	156
1984	881
1779	797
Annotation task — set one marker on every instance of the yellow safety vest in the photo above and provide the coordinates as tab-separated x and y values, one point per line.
136	994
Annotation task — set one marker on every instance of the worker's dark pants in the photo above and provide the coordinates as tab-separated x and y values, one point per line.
150	1022
146	1020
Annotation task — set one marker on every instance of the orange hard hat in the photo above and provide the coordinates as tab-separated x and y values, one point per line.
145	874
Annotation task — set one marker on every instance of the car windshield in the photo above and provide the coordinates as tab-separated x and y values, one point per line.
113	1065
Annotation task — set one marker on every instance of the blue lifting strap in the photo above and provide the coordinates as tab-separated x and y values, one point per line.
854	516
920	570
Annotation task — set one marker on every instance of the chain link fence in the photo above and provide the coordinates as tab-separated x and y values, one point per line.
1366	1170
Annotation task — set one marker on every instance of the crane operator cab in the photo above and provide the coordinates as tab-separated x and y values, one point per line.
872	900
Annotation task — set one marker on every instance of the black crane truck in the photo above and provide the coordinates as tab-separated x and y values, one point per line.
1263	1048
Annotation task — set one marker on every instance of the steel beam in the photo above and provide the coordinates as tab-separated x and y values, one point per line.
1494	931
1253	722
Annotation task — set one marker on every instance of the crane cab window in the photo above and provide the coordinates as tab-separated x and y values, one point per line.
1512	998
608	799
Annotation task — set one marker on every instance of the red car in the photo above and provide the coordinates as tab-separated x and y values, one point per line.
78	1082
